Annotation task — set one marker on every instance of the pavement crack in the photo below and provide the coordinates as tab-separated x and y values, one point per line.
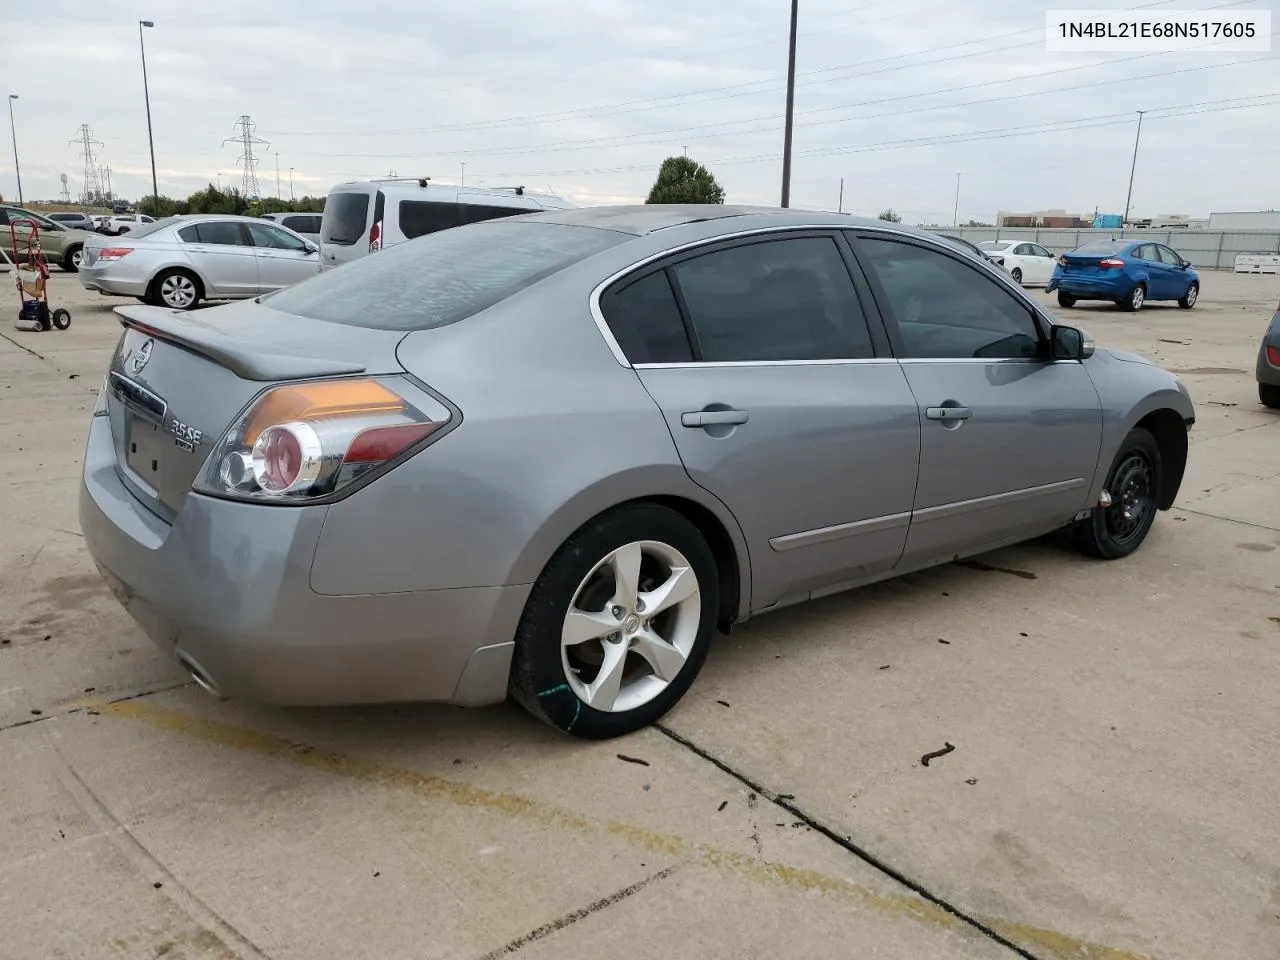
1215	516
22	346
848	844
569	919
84	707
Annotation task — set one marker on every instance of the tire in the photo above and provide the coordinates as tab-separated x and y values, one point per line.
1016	274
61	318
1110	533
557	681
71	262
1136	298
176	289
1193	294
1066	300
1269	395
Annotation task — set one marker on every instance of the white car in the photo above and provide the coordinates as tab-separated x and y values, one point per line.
125	223
1030	264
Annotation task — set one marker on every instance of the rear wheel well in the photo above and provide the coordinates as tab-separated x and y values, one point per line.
1170	432
721	544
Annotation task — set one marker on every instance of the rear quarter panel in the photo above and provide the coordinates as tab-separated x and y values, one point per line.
554	431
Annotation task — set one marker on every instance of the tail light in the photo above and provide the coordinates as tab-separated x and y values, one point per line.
1273	356
114	253
1111	264
375	237
301	442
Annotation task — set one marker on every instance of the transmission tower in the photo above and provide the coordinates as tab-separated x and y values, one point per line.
248	140
92	187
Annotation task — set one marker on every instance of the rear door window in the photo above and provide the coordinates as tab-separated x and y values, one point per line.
444	277
301	224
345	218
420	217
477	212
789	299
222	232
265	235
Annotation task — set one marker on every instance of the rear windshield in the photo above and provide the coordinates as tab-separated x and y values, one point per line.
994	244
1102	246
443	277
146	229
345	216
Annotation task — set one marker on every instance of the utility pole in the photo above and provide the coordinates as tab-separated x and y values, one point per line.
248	140
14	133
464	173
955	217
146	92
1134	166
278	195
840	205
291	183
791	107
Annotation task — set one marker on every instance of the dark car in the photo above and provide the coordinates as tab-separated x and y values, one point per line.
1268	372
1126	272
76	221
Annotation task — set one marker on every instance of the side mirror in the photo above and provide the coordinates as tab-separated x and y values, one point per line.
311	248
1069	343
1186	264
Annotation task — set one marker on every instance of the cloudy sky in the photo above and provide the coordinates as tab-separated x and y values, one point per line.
586	97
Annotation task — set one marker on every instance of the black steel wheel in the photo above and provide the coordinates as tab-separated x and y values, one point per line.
1134	485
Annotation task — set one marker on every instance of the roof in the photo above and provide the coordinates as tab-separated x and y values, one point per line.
642	219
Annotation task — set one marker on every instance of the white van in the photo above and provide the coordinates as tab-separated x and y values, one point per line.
367	215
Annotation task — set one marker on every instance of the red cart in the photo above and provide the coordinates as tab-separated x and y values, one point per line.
32	271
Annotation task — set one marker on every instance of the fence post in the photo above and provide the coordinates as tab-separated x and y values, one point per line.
1217	258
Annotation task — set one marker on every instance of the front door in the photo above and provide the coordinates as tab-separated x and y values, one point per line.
760	356
283	258
1042	263
1009	441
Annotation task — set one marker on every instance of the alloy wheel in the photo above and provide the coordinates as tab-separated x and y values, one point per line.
178	291
631	626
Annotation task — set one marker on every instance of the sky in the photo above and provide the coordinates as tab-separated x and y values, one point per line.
902	99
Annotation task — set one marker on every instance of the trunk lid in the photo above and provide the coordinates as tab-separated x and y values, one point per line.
177	381
1077	264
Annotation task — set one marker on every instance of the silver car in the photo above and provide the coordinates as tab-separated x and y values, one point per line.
179	261
550	455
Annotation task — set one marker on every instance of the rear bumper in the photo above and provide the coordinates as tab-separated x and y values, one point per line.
101	277
225	590
1265	372
1090	288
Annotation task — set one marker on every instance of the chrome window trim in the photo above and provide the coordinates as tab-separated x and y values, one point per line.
602	325
694	364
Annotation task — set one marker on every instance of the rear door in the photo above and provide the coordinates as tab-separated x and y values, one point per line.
1148	263
1009	441
783	403
347	225
220	250
283	258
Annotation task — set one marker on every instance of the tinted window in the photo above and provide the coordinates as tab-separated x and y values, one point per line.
776	300
645	320
420	217
345	216
189	234
945	309
265	235
1101	247
476	212
1039	251
222	232
302	224
444	277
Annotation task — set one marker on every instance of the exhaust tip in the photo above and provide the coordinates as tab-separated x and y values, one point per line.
199	676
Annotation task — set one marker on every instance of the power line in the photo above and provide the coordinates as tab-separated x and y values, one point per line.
248	160
999	133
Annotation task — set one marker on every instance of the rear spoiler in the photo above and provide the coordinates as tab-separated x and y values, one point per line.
187	331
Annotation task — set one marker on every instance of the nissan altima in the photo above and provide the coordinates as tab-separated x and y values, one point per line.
549	456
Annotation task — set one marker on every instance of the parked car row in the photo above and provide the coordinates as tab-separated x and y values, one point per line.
110	226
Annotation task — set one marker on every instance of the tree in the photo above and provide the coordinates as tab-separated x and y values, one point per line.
681	180
891	215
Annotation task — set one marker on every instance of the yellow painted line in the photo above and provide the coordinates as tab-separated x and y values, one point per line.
430	786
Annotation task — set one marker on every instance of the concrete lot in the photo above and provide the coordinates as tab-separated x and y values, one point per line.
1112	795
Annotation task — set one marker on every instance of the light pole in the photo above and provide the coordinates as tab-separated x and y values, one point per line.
14	133
277	174
464	173
791	105
1132	168
955	217
146	92
291	183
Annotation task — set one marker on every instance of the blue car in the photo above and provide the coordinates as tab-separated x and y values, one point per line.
1126	272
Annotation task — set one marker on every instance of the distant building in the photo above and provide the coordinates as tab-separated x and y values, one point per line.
1170	221
1050	219
1241	220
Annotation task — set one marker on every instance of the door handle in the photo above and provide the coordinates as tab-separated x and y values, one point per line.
948	413
710	418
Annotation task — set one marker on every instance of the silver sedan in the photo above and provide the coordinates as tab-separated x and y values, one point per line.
550	455
179	261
